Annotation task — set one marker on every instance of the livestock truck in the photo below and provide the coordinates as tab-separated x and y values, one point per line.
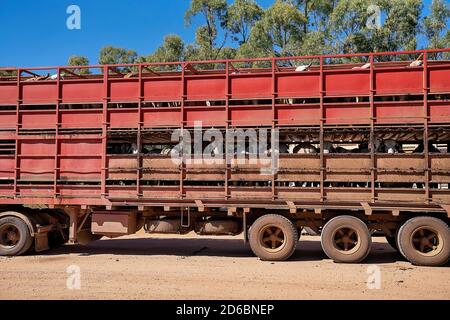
346	145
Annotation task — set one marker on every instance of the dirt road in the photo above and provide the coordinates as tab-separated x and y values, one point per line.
189	267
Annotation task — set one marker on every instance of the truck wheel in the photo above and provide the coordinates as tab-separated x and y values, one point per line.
346	239
392	242
15	238
273	238
425	241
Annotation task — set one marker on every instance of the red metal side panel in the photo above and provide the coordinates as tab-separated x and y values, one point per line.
160	89
80	159
36	160
42	119
7	119
292	115
80	169
204	193
36	147
8	93
161	192
439	79
84	191
80	147
121	191
394	112
7	167
439	111
36	191
7	135
124	90
251	116
82	91
208	116
341	83
251	86
6	190
37	168
306	84
90	118
205	88
123	118
122	168
342	113
408	80
161	117
39	92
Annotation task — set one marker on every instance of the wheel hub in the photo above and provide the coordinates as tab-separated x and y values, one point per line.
426	241
9	236
272	238
345	239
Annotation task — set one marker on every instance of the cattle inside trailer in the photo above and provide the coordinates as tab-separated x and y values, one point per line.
346	145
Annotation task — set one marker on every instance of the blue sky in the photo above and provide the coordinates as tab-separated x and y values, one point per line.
34	33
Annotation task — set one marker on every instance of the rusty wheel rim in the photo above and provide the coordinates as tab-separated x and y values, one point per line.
9	236
272	238
346	240
427	241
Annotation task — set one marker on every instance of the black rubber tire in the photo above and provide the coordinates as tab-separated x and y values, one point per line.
406	244
25	240
392	240
289	232
361	249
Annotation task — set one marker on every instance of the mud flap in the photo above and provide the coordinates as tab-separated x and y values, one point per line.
41	242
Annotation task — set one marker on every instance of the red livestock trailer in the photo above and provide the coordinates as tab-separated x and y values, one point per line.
342	144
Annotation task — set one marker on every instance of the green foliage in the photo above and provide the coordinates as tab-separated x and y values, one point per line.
243	29
214	12
79	61
401	27
317	13
348	28
112	55
172	50
242	16
8	73
436	23
350	32
278	33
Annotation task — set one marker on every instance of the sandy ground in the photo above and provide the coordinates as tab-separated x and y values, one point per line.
189	267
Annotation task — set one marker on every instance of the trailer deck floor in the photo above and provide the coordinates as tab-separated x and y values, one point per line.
190	267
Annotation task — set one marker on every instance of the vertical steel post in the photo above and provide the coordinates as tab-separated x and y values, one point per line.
57	117
321	133
425	131
372	129
139	165
105	131
16	155
227	126
274	125
183	99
